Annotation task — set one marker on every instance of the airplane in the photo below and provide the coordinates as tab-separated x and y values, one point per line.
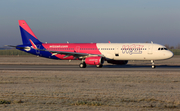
91	53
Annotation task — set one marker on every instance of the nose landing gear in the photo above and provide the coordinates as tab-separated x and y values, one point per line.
153	66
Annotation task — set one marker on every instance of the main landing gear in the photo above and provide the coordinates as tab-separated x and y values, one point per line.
82	65
99	66
153	66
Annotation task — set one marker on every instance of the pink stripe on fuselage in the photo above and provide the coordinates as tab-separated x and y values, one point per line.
89	48
24	25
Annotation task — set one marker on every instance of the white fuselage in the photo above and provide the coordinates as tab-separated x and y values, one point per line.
134	51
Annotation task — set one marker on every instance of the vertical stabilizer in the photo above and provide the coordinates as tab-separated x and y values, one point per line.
27	34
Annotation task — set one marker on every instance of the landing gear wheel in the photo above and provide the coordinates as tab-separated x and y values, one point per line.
82	65
153	67
99	66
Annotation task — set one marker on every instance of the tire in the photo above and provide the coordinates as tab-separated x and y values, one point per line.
82	65
153	67
99	66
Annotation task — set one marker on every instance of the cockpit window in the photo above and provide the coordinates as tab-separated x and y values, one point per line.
163	48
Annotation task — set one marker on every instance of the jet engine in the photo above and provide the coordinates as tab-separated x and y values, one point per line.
97	60
118	62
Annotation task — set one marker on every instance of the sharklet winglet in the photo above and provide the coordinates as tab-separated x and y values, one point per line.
54	54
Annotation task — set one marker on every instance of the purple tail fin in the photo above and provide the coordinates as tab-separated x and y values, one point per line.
27	34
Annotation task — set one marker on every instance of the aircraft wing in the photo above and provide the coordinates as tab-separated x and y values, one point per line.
75	54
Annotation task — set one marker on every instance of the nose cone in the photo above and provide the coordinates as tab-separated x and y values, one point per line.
169	54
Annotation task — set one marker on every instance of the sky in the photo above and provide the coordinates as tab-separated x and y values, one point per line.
97	21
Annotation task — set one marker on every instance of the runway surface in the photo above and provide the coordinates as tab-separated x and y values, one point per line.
89	68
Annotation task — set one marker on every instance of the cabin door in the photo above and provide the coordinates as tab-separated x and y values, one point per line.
77	49
116	52
150	49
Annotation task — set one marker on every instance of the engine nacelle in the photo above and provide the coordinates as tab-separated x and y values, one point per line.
97	60
118	62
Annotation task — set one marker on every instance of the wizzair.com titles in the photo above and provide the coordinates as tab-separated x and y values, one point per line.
58	46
